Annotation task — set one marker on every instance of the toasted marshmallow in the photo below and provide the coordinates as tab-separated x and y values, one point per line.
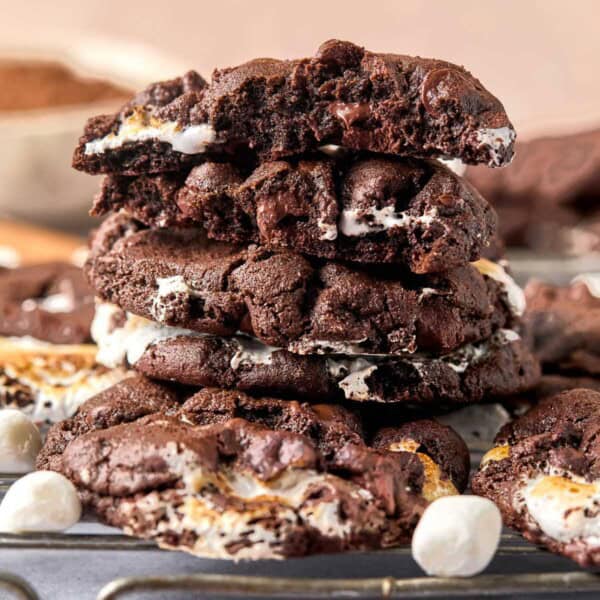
49	382
514	294
141	126
495	454
457	536
435	484
565	507
20	442
40	501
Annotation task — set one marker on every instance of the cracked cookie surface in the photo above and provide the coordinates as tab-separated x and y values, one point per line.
179	278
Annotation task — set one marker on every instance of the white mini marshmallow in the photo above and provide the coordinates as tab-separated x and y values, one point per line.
457	536
40	501
20	442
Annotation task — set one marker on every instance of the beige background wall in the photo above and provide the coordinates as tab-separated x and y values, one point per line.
540	57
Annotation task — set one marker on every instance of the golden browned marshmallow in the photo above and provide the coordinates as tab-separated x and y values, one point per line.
49	382
434	485
495	454
514	294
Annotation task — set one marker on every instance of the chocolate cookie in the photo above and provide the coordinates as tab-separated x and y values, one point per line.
50	302
417	213
550	385
564	323
544	475
177	277
343	96
554	179
48	382
225	475
500	365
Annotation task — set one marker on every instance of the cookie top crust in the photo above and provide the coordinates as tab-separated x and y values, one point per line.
564	324
269	478
49	382
179	278
344	95
50	302
556	179
498	366
544	474
379	209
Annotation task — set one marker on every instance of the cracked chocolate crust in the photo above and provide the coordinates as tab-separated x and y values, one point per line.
221	474
344	96
564	324
415	213
179	278
501	365
50	302
544	475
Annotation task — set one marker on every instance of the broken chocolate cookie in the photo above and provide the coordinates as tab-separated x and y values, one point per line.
343	96
50	302
544	475
223	475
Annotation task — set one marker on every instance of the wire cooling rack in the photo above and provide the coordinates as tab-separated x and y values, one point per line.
93	562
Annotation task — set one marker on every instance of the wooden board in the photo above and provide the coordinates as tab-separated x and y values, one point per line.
35	244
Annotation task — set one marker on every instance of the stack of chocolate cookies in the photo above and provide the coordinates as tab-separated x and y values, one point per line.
286	231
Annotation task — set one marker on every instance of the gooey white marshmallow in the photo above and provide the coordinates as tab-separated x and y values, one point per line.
565	507
40	501
142	127
20	442
457	536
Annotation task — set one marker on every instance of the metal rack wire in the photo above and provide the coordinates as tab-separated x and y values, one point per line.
209	585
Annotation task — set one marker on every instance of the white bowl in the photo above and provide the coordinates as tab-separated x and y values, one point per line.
37	181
